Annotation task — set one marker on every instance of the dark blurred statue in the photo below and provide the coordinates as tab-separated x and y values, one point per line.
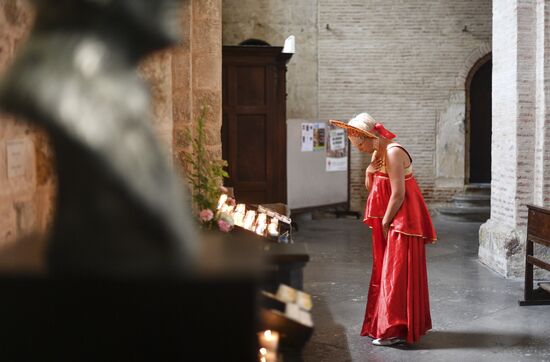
120	209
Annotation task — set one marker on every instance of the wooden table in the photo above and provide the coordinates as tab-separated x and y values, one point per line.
538	232
283	263
289	261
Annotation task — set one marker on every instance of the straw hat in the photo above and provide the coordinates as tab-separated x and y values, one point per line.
363	125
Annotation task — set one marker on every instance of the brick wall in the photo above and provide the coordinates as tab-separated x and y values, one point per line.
542	145
399	61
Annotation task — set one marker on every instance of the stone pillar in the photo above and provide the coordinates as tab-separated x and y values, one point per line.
27	178
197	76
519	138
542	126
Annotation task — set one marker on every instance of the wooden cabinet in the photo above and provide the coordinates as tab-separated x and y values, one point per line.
254	122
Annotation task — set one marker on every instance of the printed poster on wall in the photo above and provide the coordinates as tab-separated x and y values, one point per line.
313	137
319	136
337	149
307	137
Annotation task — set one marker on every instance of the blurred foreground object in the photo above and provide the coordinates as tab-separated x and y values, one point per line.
120	210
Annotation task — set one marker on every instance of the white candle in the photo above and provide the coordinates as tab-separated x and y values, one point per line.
249	219
240	208
222	200
238	218
272	229
269	340
226	208
261	224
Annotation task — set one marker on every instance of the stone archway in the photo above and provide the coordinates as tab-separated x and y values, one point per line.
478	122
451	128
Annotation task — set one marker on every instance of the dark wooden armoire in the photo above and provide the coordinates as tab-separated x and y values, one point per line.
254	122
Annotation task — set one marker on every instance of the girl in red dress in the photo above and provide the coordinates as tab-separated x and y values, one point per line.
398	307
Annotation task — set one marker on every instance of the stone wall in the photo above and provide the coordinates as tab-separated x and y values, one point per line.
273	21
520	131
405	62
182	80
27	178
196	77
157	70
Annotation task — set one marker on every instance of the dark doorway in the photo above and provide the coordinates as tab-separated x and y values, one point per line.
254	122
479	121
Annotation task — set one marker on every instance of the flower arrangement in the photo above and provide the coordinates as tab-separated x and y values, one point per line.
205	176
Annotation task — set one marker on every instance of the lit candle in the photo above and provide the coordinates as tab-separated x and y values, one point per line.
222	200
271	356
239	214
267	356
261	224
240	208
273	227
249	220
269	340
227	208
238	218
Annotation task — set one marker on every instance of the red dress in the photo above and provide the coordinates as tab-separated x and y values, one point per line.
398	301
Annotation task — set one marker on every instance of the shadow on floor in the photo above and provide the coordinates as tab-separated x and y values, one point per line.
450	340
329	339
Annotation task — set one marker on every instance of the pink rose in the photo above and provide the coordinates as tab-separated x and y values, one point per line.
206	215
224	226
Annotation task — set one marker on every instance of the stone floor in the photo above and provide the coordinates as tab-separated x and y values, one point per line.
475	312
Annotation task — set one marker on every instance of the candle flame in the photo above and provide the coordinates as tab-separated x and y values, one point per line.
263	351
267	334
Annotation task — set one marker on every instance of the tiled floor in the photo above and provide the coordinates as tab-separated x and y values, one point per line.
475	312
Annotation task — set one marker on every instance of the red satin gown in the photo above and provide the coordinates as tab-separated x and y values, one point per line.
398	300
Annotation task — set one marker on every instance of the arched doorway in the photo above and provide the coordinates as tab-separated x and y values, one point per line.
478	122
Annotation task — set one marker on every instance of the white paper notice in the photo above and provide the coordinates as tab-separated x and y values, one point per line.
337	164
307	137
337	139
15	151
337	150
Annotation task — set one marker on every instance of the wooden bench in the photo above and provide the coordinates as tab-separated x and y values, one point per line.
538	231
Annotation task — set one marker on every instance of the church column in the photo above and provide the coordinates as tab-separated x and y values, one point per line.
542	127
502	237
